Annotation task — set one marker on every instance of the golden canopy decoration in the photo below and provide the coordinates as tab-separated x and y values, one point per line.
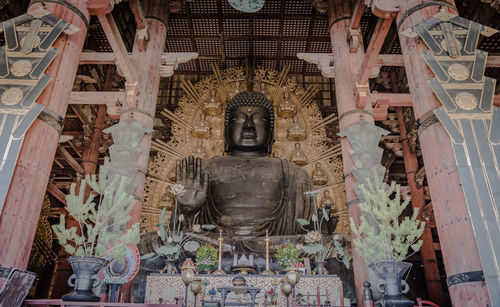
198	129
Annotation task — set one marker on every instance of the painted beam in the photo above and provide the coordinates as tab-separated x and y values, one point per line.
103	97
373	50
404	100
115	40
357	14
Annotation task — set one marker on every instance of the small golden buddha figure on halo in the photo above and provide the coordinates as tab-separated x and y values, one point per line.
319	176
296	132
286	108
171	175
235	89
199	151
202	128
327	201
264	89
212	105
298	156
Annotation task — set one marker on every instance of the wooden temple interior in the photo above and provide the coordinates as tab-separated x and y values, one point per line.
226	38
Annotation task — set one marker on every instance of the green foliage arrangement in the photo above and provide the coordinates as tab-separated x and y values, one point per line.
287	256
172	235
206	257
314	239
381	235
101	227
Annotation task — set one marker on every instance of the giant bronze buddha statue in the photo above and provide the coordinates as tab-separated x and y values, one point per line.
246	192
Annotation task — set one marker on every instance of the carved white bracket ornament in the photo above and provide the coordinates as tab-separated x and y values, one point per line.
170	61
323	61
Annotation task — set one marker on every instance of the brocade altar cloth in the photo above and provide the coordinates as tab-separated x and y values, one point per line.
164	288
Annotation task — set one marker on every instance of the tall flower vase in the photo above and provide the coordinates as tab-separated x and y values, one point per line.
84	278
391	283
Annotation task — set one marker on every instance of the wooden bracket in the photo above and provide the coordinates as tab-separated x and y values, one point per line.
171	60
132	92
362	92
354	39
323	61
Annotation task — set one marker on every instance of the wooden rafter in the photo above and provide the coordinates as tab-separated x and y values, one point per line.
115	40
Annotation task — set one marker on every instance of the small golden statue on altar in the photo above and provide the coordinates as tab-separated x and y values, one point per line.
296	132
298	156
212	105
319	176
202	128
286	108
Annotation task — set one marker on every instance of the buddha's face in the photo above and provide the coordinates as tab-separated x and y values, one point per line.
248	130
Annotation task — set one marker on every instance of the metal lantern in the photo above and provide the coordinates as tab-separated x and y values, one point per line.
187	276
286	288
292	277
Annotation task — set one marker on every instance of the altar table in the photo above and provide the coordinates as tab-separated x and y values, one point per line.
164	288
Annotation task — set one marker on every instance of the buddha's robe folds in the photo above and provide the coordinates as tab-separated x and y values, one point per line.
248	196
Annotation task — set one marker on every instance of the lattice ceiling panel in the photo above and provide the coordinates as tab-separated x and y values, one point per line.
298	7
188	67
320	47
320	28
179	46
267	63
296	27
295	65
290	48
263	48
236	27
271	6
311	68
206	27
178	27
237	48
208	47
266	27
203	7
234	62
205	64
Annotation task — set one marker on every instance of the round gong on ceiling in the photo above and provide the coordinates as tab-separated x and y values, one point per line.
247	6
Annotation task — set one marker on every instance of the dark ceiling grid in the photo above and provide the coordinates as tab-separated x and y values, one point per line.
221	29
308	42
280	33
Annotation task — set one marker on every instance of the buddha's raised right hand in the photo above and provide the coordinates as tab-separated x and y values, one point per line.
190	175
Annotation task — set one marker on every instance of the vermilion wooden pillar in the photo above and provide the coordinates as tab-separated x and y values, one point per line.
347	66
29	183
147	67
456	235
427	252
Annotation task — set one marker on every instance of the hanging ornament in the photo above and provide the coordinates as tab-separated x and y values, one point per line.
247	6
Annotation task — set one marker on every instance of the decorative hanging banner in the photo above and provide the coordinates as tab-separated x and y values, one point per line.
26	54
473	123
